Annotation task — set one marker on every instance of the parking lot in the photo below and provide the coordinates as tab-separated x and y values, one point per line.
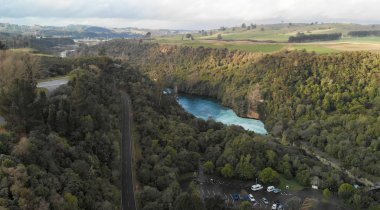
211	186
216	186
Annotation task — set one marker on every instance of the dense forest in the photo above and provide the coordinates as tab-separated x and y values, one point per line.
301	37
61	151
364	33
331	101
46	44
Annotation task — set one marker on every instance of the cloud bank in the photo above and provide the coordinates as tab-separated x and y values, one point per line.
192	14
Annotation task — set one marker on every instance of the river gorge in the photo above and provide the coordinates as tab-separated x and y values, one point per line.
206	108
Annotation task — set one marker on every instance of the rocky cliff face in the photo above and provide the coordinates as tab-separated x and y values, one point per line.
254	98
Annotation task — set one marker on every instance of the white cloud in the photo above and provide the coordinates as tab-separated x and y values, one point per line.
186	13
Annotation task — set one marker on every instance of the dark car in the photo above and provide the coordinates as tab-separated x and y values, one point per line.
243	197
235	196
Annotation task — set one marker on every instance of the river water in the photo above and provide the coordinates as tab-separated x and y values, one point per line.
206	108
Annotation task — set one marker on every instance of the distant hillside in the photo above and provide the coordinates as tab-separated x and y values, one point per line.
94	29
71	31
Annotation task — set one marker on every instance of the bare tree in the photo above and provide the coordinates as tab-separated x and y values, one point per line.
17	66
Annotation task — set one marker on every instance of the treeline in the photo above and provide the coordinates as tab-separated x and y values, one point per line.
363	33
56	66
3	46
301	37
45	44
40	44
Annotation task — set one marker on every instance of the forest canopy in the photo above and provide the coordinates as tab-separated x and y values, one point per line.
61	150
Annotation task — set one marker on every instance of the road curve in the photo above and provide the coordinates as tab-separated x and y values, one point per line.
49	85
53	84
128	201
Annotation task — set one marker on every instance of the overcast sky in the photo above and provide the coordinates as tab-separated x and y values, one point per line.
185	14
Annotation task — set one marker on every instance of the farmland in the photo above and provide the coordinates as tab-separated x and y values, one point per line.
273	38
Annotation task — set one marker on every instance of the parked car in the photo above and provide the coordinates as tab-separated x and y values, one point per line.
270	188
276	190
251	198
245	198
265	200
274	206
235	196
256	187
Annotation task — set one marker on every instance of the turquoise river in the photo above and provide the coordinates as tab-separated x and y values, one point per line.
207	108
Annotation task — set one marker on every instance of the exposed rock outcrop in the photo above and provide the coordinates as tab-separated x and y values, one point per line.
254	98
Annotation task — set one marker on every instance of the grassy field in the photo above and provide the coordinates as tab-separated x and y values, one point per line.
370	39
281	32
293	184
320	49
252	35
234	45
29	50
237	38
252	46
248	47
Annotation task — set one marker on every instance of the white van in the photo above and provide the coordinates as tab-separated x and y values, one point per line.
270	188
256	187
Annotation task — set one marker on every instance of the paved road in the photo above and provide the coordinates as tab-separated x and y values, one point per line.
53	84
128	201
